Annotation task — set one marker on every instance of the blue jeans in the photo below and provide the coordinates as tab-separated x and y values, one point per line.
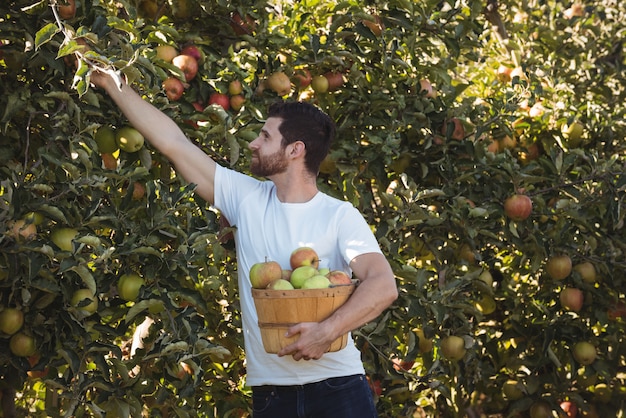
337	397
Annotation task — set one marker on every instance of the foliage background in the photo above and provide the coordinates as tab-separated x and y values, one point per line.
434	200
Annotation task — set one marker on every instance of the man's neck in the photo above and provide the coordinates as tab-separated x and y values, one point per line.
294	189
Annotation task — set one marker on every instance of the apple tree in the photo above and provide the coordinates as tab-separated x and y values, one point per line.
445	110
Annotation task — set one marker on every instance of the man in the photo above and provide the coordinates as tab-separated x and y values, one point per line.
272	218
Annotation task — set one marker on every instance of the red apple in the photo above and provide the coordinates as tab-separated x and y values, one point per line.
338	278
192	51
237	101
279	83
518	207
302	78
304	256
570	409
571	299
559	267
240	26
187	64
174	88
220	99
263	273
426	88
458	132
335	80
67	9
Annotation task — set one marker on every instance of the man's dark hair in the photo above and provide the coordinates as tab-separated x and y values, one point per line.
304	122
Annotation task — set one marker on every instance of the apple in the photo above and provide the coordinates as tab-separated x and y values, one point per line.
584	352
335	80
302	78
219	99
108	161
486	305
139	190
453	347
570	409
316	282
426	88
304	256
67	9
11	320
22	345
319	84
240	26
559	267
187	64
166	52
518	207
338	278
280	284
466	253
324	271
571	299
587	271
263	273
35	218
78	298
129	139
504	73
237	101
425	345
536	110
62	238
105	139
575	10
458	130
573	133
300	274
507	142
192	51
235	88
513	390
486	277
128	286
174	88
279	83
540	409
22	229
617	310
286	274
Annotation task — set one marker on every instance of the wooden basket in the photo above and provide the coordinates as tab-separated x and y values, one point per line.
280	309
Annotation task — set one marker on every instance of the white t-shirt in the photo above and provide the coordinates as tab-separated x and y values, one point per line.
269	229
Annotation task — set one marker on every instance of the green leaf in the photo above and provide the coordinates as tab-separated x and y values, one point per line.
45	34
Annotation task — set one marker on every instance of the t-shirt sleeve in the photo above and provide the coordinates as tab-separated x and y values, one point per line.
231	188
355	235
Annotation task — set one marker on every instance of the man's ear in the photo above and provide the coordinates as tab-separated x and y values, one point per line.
297	149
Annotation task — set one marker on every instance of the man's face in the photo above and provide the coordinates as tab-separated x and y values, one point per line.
268	155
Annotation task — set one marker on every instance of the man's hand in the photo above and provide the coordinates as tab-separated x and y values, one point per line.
312	344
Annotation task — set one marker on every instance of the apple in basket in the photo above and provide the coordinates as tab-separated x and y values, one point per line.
265	272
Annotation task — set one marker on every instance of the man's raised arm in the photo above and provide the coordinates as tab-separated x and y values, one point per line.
163	134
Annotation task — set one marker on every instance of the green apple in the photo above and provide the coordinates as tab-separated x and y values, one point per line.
301	274
129	139
128	286
265	272
280	284
62	238
105	139
22	345
584	352
316	282
324	271
453	347
11	320
80	295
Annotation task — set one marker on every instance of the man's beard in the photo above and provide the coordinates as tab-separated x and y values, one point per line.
269	165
